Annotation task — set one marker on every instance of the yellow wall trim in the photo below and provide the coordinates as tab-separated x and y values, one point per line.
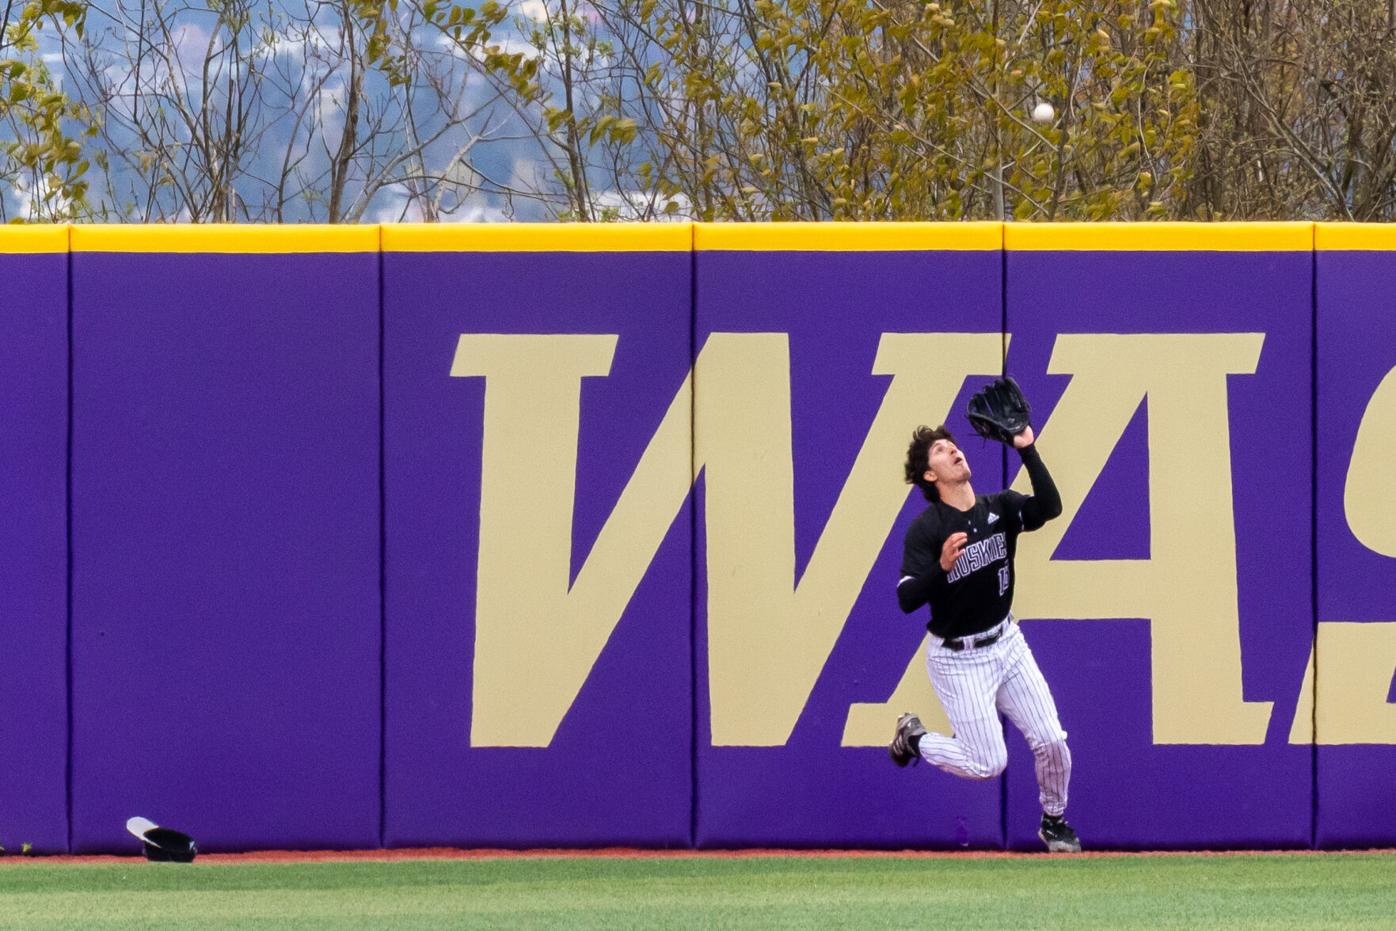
1355	237
681	237
1159	237
225	238
45	238
538	237
847	237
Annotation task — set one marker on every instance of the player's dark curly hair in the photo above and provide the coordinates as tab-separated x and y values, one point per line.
922	439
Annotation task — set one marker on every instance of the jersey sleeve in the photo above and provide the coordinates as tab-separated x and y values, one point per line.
918	551
921	572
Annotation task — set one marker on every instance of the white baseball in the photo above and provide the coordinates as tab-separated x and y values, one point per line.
1043	113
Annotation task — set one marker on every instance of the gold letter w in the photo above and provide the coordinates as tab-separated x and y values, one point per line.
537	638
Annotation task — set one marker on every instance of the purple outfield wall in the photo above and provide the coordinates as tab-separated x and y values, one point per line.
33	538
225	540
836	357
539	579
1356	648
1170	606
522	536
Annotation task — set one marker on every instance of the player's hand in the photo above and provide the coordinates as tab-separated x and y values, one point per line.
954	546
1024	439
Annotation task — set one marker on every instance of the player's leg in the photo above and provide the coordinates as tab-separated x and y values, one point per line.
1025	699
966	684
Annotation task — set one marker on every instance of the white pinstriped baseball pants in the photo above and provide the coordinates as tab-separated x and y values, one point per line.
975	684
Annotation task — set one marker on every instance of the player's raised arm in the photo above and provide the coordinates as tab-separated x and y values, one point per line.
1046	501
1001	412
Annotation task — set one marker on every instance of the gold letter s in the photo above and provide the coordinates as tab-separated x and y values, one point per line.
1367	496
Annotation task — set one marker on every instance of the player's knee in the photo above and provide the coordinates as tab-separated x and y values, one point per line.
988	762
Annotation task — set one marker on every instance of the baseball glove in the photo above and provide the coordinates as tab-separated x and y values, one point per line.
999	411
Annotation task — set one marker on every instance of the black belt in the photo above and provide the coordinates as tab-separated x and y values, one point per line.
964	643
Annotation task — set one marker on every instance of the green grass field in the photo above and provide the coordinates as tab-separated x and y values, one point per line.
1281	891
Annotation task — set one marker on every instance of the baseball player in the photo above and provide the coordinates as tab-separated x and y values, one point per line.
958	558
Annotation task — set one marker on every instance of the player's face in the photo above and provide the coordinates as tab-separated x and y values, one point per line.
945	462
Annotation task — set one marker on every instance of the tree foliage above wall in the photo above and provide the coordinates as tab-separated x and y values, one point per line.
352	110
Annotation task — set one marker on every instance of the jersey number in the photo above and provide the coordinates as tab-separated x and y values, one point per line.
1003	580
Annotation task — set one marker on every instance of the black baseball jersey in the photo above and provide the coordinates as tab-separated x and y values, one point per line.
977	592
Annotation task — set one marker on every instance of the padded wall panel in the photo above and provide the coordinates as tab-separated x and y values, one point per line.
1170	607
33	537
820	349
226	592
539	585
1356	566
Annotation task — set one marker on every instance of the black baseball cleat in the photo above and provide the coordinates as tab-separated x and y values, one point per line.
1058	835
902	749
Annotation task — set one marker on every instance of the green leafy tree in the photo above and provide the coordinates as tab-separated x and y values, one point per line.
865	109
43	128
